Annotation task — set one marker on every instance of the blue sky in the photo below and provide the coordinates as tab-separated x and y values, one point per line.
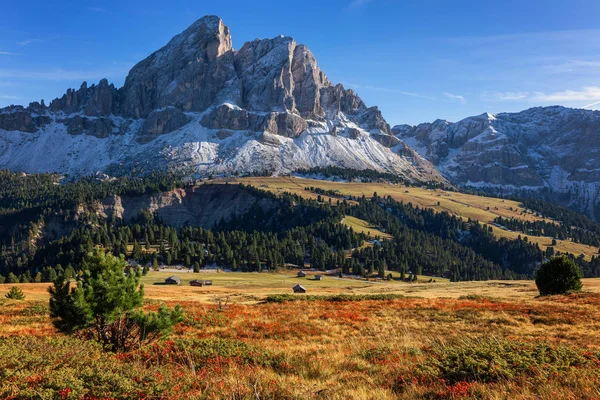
417	60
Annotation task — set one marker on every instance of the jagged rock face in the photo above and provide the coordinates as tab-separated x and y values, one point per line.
19	120
198	105
162	121
191	72
550	148
98	127
204	205
97	100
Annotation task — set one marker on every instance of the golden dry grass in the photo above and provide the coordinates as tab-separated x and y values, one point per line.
459	204
372	349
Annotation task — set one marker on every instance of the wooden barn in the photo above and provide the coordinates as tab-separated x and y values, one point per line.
301	274
173	280
299	289
318	277
197	282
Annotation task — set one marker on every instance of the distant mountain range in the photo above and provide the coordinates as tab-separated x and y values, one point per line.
551	152
201	107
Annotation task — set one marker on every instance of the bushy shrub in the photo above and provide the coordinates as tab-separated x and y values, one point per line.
560	275
15	294
493	360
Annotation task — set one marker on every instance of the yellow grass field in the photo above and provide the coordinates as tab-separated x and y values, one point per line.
480	208
466	340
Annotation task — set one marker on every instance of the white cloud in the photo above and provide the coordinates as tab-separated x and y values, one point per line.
592	105
455	98
28	41
388	90
504	96
590	93
570	97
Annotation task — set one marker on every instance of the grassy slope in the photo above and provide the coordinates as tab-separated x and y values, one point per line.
462	205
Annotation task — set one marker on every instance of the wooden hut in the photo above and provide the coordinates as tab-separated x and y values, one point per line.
197	282
299	289
318	277
207	283
301	274
173	280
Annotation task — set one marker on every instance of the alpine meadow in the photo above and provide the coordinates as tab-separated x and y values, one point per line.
224	221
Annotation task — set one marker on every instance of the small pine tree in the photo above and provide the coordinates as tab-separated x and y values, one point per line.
2	279
15	294
108	303
560	275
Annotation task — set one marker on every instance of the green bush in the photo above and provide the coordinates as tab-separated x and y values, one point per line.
15	294
560	275
492	360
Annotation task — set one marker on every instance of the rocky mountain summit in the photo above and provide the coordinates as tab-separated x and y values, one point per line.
553	152
199	105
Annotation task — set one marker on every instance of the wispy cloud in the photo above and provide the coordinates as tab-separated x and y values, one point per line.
590	93
504	96
8	97
389	90
8	53
573	65
586	94
98	9
28	41
592	105
455	98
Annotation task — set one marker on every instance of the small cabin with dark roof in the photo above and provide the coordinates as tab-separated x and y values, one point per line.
197	282
173	280
207	283
301	274
318	277
299	289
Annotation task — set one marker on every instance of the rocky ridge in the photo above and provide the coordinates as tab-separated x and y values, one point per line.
200	105
553	152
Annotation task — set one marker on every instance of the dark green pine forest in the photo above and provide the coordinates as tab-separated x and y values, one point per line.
292	231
